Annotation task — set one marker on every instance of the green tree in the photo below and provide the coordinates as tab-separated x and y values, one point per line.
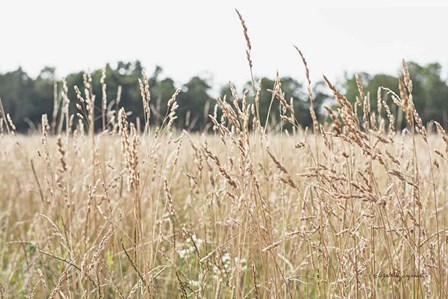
195	104
270	107
430	92
26	99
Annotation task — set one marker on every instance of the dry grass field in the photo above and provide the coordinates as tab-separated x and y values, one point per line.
348	209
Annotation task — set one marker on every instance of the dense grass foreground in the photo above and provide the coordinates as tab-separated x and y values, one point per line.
352	210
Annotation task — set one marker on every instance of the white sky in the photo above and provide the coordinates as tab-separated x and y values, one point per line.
203	37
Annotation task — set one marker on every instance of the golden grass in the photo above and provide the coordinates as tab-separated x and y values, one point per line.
242	215
346	213
350	210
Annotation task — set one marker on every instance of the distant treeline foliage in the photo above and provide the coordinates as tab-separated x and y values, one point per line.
26	99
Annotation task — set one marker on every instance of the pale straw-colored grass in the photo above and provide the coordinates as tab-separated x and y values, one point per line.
353	209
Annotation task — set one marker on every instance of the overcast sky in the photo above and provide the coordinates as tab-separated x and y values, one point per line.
204	37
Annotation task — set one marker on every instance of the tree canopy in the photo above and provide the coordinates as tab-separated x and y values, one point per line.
26	99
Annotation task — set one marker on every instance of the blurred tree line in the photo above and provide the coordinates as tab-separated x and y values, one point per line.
26	98
430	91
